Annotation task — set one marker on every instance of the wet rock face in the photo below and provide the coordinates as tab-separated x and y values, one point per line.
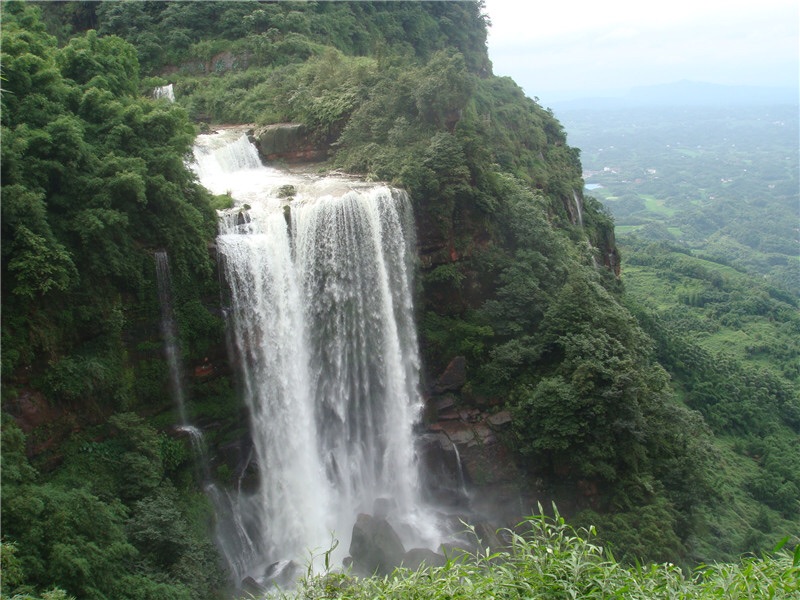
279	574
466	465
493	483
444	482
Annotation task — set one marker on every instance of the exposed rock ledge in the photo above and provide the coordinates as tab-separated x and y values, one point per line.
290	142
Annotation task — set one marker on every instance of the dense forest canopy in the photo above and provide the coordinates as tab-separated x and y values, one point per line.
517	276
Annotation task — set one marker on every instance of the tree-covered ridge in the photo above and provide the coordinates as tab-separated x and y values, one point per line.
730	346
378	67
93	182
270	33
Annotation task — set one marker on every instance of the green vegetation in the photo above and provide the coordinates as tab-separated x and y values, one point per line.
730	345
710	271
110	523
549	559
673	396
93	182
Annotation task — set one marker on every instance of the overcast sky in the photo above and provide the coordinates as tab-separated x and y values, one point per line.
558	49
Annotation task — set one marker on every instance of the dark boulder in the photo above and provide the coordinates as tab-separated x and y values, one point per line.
416	557
252	587
282	573
375	546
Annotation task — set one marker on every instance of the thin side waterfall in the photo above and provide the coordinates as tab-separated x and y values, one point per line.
169	333
462	484
321	316
578	208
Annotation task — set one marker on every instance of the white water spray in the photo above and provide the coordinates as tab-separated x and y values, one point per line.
164	91
322	320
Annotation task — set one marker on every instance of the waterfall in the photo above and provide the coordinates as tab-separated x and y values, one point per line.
462	483
164	91
169	333
321	316
578	209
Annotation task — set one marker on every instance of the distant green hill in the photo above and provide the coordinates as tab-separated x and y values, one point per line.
723	181
707	211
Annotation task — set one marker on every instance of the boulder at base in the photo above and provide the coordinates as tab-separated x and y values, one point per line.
416	557
375	547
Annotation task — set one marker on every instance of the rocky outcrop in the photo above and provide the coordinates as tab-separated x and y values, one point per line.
218	63
454	376
290	142
491	479
467	466
279	574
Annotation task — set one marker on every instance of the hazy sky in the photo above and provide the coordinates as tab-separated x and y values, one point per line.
567	48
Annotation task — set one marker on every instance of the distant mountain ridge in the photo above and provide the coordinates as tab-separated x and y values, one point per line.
687	93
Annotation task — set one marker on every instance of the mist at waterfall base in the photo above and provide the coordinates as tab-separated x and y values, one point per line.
321	328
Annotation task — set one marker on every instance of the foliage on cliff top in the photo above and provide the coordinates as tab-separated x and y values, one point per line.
93	182
390	75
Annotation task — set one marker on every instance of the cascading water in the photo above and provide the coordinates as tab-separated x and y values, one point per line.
462	483
164	91
322	319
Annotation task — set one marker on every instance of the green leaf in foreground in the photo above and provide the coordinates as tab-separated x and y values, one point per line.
546	558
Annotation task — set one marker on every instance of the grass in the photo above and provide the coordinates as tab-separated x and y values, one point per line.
676	231
546	558
727	341
625	229
650	289
657	205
